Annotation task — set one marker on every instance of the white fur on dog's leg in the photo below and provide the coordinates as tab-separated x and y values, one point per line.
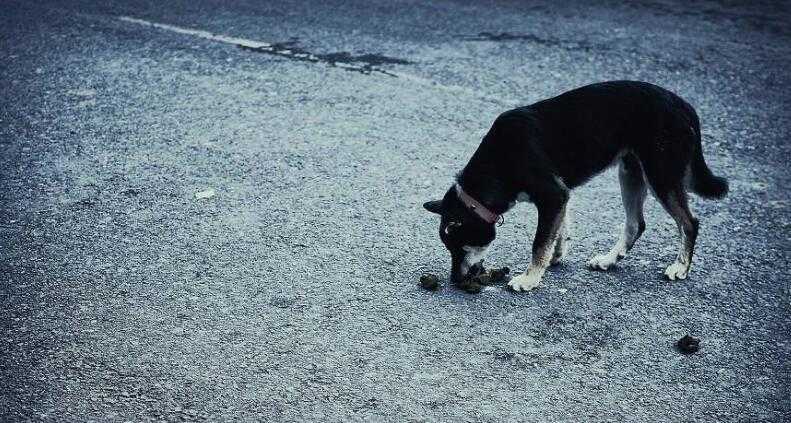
526	281
677	271
603	261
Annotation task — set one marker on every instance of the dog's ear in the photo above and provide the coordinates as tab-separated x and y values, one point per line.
433	206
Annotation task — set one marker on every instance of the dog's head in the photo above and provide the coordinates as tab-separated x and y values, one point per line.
465	234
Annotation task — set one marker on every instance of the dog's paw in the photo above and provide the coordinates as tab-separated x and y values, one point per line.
602	262
677	271
525	282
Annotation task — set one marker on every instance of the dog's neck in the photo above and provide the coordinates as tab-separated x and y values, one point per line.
488	188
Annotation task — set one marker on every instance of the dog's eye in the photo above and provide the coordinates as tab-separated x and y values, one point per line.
451	226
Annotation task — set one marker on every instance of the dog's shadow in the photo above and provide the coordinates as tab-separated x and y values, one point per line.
620	279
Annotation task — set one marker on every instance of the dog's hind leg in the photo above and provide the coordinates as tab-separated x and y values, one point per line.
666	178
675	203
633	193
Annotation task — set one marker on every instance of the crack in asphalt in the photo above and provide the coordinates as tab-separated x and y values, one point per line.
365	63
368	62
507	36
568	45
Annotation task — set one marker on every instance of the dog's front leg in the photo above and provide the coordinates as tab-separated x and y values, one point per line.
550	218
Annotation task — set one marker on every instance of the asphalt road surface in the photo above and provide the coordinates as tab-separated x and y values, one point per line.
212	211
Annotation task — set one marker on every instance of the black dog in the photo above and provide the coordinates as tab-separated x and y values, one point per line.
538	153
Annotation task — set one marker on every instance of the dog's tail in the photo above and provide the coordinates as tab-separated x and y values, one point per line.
704	183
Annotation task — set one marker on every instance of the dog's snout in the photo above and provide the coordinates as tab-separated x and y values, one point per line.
466	265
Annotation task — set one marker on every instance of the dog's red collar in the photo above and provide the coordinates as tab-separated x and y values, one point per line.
479	209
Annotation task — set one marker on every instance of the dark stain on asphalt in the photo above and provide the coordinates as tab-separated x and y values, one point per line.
282	301
367	59
575	45
554	42
506	36
364	63
504	355
84	203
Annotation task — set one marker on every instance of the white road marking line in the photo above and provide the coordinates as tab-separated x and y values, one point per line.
198	33
269	47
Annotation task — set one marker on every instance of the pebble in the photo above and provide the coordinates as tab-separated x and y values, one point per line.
201	195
